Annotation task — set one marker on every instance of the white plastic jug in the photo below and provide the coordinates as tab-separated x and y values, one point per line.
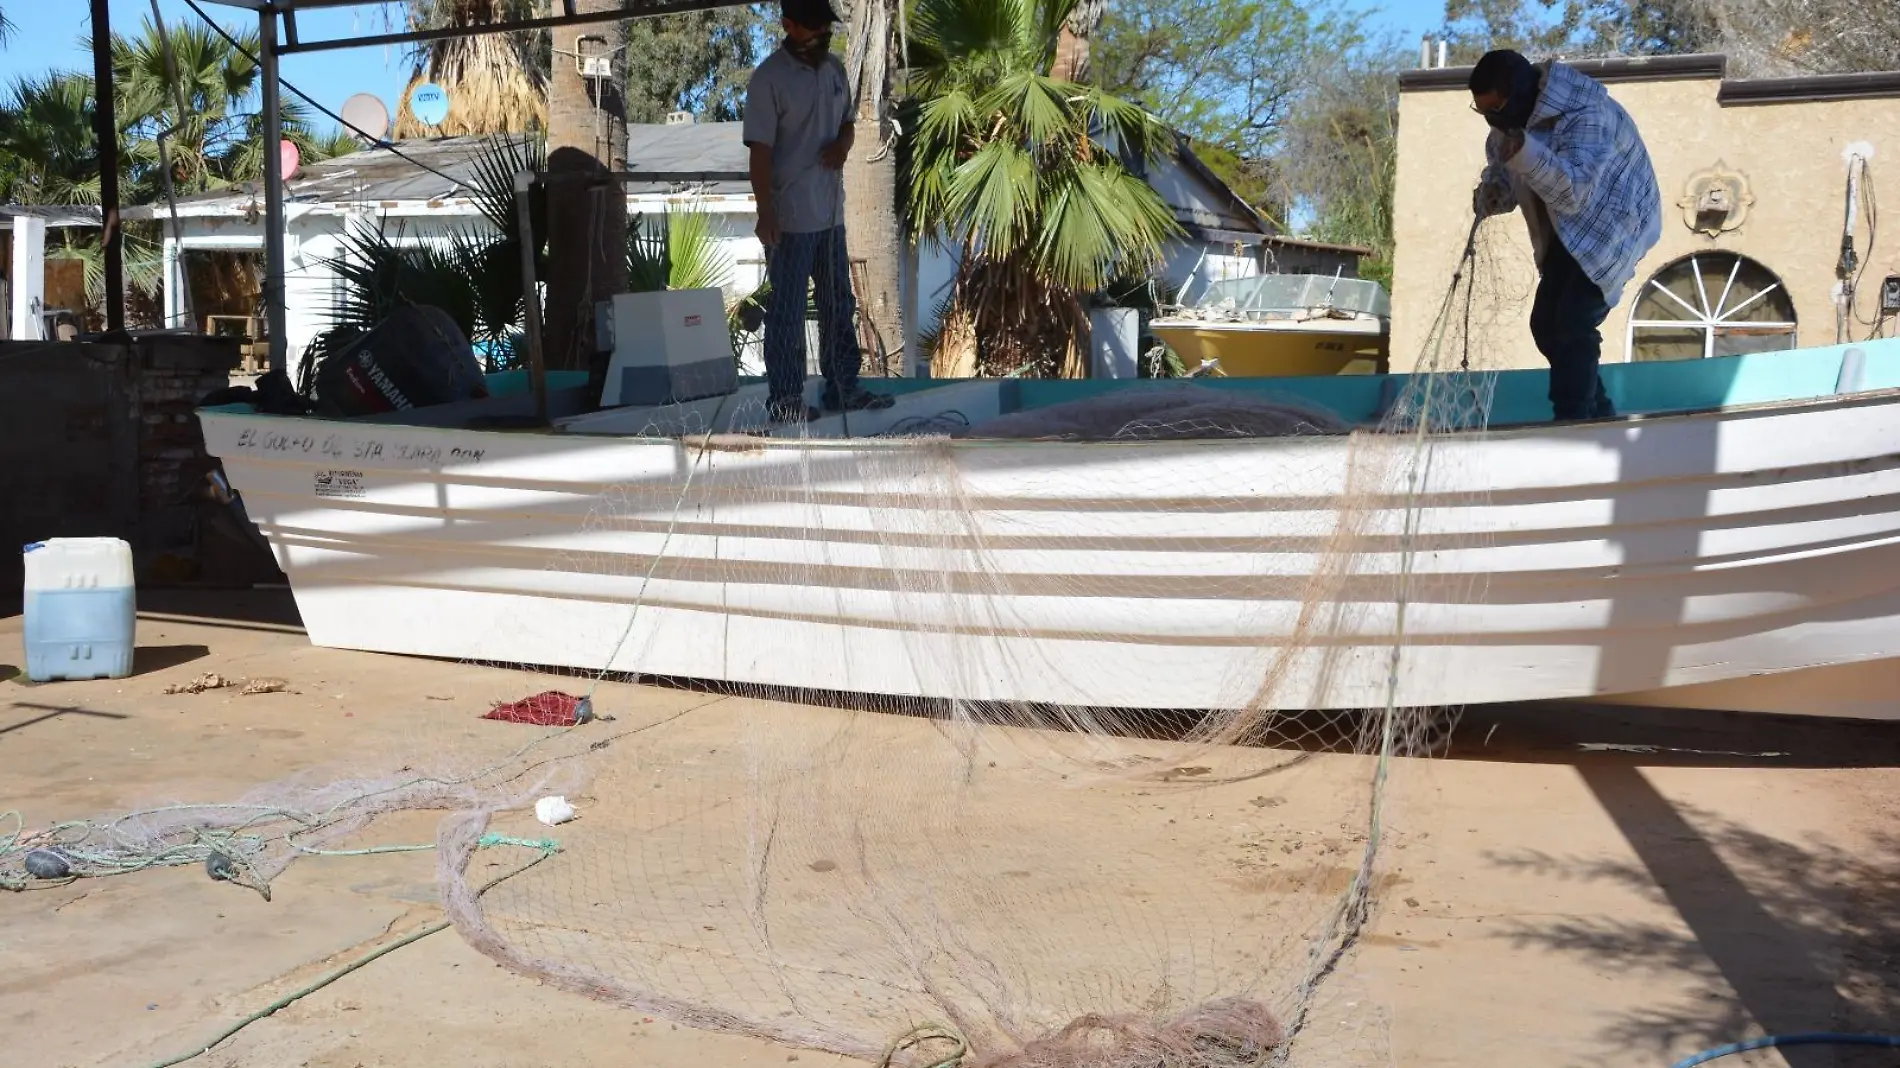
81	609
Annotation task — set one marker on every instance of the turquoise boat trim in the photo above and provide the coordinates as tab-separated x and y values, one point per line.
1520	396
513	382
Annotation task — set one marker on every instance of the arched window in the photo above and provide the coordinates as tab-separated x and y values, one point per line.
1711	304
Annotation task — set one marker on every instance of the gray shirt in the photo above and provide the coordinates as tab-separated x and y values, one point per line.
796	110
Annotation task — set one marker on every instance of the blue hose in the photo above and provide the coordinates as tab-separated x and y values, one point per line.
1813	1038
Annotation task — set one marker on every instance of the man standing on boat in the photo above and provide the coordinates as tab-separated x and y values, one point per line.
798	125
1571	158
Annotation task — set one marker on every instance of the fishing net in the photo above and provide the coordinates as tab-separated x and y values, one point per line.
1059	740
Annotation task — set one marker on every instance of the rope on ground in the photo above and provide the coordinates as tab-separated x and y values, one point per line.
225	850
547	847
929	1032
1812	1038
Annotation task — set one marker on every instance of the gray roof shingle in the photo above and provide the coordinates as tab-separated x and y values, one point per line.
710	157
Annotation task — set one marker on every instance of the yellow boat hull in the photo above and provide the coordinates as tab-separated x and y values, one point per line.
1251	352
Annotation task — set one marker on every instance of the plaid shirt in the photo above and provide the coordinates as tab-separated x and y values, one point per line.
1584	162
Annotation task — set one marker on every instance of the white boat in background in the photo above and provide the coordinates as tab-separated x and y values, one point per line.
1279	325
1735	545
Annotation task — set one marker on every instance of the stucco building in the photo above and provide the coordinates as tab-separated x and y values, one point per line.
1755	178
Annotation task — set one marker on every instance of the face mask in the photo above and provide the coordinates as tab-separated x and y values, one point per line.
814	46
1517	109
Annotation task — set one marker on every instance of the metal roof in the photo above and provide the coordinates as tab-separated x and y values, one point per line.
56	216
704	157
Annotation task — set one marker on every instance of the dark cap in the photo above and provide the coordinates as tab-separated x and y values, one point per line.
811	14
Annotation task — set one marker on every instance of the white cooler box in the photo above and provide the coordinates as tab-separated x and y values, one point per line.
666	347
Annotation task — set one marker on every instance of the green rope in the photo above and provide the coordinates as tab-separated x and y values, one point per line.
928	1032
547	847
234	843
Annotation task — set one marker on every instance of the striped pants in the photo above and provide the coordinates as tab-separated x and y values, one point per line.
818	259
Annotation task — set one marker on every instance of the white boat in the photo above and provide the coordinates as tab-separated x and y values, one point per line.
1282	325
1734	545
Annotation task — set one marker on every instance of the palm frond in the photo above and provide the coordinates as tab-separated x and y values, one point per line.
1037	106
496	165
699	260
675	250
1028	174
647	261
993	198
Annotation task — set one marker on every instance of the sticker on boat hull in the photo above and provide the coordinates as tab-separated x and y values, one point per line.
346	484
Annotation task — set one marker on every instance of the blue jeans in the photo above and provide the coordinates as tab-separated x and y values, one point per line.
1564	322
818	259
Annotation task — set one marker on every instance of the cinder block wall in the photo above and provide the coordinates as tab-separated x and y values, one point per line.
100	440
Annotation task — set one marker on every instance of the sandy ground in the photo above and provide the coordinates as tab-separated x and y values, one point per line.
1567	887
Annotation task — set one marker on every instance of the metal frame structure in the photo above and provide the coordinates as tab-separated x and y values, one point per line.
275	14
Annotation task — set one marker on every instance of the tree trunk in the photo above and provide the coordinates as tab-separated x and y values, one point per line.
870	190
587	212
1072	47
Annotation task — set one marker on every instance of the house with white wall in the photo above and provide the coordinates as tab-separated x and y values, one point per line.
31	293
423	195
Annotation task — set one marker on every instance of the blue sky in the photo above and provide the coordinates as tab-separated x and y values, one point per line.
47	35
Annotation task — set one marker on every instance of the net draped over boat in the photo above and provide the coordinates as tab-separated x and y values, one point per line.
973	867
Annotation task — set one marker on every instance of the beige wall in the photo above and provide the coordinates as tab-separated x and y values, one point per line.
1791	155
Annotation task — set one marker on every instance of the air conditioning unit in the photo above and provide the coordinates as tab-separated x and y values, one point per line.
679	118
597	67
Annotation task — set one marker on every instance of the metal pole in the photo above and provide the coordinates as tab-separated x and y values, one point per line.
530	296
273	194
105	128
177	244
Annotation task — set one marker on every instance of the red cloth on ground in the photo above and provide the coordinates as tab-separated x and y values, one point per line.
550	709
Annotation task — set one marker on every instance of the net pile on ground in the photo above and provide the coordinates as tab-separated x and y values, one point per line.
966	869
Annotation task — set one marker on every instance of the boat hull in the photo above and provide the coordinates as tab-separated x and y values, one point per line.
1684	556
1249	350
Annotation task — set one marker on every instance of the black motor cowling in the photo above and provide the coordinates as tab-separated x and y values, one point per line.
415	358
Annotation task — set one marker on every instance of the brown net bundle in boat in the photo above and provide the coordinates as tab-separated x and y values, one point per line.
990	751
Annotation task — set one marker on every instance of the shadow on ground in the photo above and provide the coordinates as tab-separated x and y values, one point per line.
148	659
40	713
1563	733
263	608
1789	936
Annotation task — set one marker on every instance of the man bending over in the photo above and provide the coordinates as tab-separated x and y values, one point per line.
1571	158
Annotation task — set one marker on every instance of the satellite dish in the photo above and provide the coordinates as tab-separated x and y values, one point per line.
365	118
429	103
288	155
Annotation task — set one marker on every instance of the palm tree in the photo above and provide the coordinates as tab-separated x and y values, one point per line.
497	83
1028	175
587	222
474	274
870	180
219	136
1078	30
47	151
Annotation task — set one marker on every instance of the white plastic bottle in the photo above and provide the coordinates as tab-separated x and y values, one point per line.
81	609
